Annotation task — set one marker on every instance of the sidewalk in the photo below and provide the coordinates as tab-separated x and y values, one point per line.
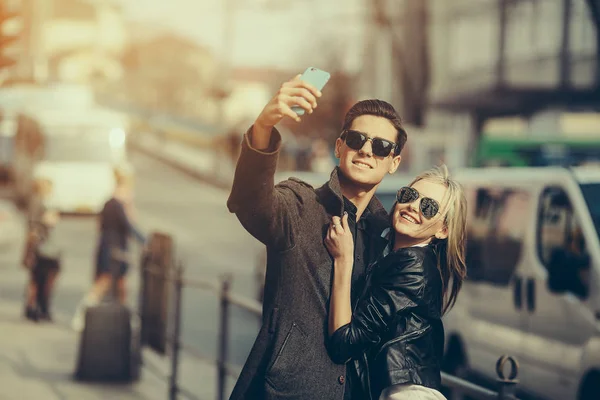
37	362
203	164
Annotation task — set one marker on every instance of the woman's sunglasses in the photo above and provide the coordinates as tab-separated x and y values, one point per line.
356	140
429	207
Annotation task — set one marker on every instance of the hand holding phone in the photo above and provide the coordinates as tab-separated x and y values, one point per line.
293	99
316	77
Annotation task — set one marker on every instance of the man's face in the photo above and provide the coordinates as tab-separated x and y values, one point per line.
362	166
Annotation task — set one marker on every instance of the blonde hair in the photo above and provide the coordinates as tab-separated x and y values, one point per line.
453	268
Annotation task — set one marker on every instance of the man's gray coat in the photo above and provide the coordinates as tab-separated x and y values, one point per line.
289	359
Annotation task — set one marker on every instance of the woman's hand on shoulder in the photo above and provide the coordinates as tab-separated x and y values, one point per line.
339	241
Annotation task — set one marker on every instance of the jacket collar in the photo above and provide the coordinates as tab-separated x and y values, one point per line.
333	200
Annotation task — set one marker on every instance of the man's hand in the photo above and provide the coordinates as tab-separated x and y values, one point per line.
339	242
295	92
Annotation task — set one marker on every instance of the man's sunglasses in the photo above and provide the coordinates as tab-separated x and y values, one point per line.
429	207
356	140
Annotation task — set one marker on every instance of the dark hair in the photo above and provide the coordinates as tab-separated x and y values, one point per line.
377	108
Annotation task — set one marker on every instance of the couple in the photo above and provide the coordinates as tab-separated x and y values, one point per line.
353	297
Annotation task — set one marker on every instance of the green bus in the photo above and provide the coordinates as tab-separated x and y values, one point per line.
537	151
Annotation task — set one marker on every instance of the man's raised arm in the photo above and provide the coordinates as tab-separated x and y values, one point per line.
261	208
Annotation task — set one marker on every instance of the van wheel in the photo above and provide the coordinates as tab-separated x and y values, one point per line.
591	387
455	363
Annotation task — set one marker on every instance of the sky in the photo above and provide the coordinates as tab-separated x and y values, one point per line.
283	34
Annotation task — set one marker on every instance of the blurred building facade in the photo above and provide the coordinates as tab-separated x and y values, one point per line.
535	60
512	57
70	40
169	73
452	67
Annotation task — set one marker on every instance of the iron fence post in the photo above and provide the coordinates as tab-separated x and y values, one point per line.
142	296
223	337
175	342
507	386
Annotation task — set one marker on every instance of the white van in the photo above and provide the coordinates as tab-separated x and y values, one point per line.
533	291
76	150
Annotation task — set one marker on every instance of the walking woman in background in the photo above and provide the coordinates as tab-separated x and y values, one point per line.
395	334
111	256
42	254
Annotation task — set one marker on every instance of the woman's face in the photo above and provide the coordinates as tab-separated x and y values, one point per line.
408	220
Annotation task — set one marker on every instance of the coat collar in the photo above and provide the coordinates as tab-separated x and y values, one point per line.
333	200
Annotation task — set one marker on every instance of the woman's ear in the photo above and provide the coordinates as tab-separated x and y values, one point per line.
442	233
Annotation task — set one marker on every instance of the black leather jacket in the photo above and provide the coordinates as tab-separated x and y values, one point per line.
396	335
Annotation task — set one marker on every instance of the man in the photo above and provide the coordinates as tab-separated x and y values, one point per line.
289	359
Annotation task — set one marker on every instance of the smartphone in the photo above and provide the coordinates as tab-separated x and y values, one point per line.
316	77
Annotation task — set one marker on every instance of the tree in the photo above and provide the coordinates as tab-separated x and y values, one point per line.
410	51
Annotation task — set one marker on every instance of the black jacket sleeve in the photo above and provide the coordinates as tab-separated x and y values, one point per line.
266	211
394	289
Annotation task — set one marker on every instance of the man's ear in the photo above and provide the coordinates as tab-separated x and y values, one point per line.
395	164
338	147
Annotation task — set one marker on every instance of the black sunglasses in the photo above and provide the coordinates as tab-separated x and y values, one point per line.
356	140
429	207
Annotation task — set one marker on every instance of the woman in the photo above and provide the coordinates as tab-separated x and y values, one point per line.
42	255
395	333
111	255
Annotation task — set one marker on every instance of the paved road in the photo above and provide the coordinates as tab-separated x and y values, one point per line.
209	241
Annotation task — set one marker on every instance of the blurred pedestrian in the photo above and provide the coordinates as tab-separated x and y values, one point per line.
116	226
42	253
395	332
289	358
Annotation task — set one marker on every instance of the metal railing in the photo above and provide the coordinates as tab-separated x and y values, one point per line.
172	274
506	385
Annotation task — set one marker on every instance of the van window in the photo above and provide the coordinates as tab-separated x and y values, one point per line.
495	230
591	194
561	245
